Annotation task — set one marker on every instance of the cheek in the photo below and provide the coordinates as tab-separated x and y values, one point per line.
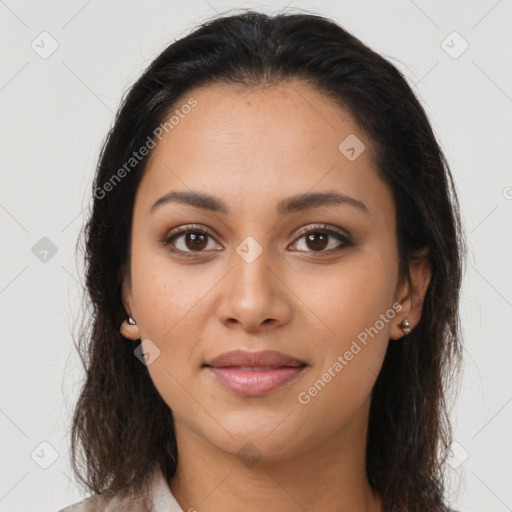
168	299
350	298
166	293
168	302
353	309
350	302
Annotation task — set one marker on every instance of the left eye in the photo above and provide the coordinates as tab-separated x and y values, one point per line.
318	237
196	240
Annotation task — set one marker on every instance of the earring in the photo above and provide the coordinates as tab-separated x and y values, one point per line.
131	321
405	326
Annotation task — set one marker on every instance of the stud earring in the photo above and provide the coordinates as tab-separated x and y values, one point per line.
405	326
131	321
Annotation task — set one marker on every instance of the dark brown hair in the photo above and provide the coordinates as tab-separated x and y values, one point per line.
121	425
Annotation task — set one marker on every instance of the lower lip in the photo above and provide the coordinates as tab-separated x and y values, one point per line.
255	383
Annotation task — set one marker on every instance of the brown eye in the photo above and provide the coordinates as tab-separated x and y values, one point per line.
317	241
320	238
196	240
187	239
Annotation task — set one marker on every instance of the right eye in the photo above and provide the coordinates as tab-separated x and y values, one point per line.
192	238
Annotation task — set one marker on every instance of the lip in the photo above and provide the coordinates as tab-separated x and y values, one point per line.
254	374
252	382
244	358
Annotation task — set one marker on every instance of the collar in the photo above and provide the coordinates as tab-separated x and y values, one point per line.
163	499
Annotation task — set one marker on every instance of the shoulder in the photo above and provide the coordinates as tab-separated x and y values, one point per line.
159	499
95	503
99	503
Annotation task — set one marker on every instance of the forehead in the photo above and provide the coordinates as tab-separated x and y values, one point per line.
259	144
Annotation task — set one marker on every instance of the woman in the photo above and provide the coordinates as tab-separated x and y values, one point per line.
274	259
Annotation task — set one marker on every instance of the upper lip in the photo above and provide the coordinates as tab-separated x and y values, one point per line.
243	358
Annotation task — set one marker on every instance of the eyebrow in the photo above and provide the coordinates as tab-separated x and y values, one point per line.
290	205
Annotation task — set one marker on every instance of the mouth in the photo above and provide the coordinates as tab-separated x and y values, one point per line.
254	381
253	374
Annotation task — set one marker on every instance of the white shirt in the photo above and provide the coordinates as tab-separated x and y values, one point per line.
162	497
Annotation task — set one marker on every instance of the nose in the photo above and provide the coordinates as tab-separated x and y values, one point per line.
253	297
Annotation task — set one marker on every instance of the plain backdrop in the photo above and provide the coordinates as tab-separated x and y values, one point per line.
64	68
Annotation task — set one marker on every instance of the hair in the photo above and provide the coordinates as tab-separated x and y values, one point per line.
121	426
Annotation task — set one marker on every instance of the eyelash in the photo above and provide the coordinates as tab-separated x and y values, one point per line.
317	228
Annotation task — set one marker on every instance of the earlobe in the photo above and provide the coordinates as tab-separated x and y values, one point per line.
403	298
129	328
412	294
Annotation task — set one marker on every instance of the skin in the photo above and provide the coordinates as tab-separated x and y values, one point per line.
251	148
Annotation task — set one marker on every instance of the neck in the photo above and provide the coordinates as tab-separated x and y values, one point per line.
328	475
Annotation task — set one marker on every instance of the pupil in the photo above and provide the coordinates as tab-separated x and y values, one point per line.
197	240
313	238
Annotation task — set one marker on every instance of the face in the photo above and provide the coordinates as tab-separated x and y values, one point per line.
316	280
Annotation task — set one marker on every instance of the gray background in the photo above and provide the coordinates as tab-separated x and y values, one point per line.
56	110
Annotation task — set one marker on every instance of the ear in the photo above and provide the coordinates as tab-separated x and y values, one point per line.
410	294
127	330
